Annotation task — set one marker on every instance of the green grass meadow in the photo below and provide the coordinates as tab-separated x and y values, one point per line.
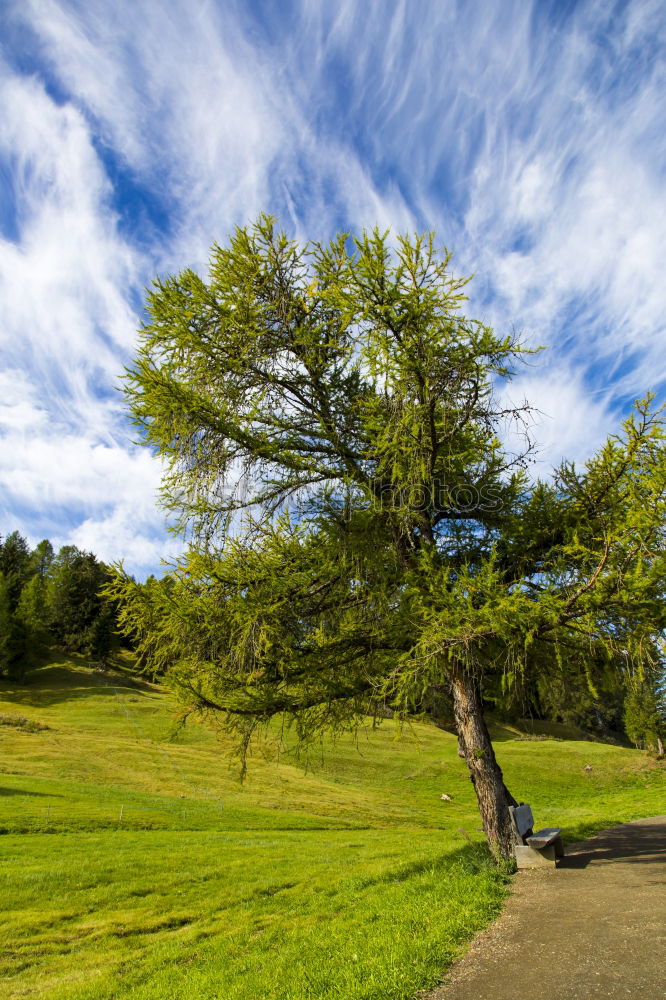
134	865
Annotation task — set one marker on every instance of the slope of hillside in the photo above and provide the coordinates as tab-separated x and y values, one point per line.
135	865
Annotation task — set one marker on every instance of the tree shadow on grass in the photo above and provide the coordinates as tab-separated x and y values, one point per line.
73	680
24	791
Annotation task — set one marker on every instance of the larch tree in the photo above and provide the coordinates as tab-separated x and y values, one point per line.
358	535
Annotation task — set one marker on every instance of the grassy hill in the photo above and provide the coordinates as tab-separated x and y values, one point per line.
134	865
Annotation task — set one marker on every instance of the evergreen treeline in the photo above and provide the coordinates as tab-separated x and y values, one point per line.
50	598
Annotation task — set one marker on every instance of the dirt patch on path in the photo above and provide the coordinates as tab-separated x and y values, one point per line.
595	926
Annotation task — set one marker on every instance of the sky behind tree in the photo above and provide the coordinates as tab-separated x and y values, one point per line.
531	136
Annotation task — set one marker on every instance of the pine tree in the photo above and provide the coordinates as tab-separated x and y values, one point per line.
32	610
75	602
13	633
41	558
15	565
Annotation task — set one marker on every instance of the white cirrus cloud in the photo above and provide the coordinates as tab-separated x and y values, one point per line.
528	135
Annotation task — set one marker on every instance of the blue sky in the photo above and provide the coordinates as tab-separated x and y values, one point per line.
531	136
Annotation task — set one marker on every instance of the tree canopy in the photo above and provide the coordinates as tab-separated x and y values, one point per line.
360	537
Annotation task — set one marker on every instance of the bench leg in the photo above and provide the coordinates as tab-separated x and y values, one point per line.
530	857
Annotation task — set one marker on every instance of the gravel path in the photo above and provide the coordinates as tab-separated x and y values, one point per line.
593	927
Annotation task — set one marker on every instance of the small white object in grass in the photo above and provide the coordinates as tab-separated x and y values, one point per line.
446	798
587	768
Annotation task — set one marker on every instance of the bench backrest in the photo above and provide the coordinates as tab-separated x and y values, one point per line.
523	819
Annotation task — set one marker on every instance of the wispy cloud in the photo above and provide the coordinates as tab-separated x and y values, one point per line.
528	135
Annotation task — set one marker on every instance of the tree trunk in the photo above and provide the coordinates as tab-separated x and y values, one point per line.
493	796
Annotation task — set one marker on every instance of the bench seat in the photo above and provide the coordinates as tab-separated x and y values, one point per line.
542	838
534	850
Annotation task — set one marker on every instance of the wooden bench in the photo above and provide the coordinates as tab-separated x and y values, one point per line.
533	850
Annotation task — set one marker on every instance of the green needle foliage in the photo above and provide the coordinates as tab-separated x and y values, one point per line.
359	536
